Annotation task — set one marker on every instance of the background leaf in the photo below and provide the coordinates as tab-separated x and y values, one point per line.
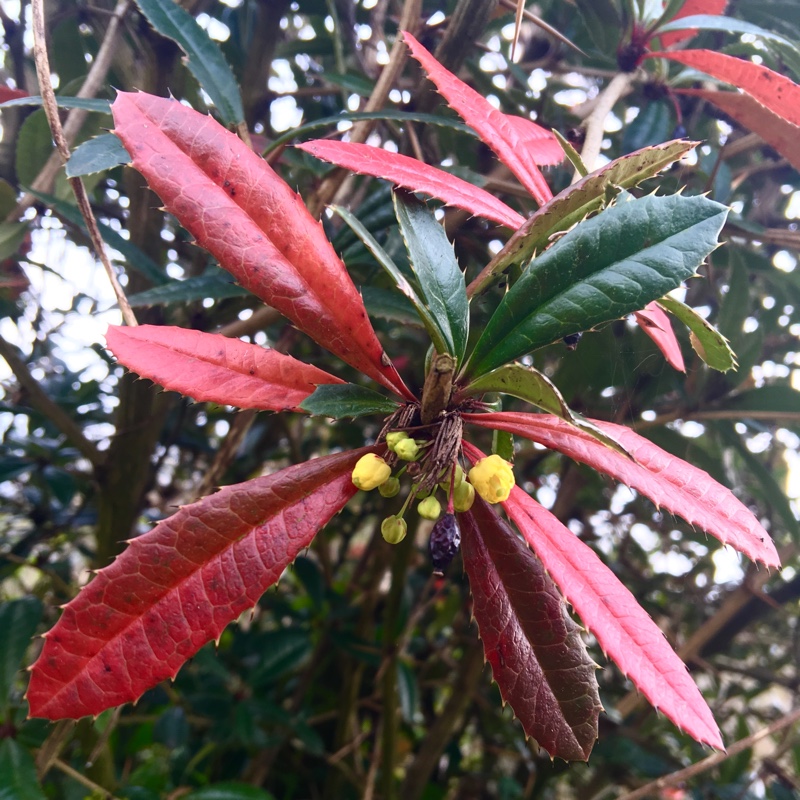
97	154
18	780
18	622
346	400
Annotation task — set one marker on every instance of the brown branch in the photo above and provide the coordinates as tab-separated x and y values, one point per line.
62	150
39	400
95	788
682	775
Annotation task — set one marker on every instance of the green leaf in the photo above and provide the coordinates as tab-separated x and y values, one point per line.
134	257
766	402
12	234
87	104
441	281
706	340
95	155
572	154
393	271
533	387
707	22
34	146
205	60
229	790
577	201
606	267
18	621
18	779
652	125
346	400
389	305
217	286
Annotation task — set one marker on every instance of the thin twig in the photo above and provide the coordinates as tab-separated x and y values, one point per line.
39	400
62	147
87	782
706	764
511	5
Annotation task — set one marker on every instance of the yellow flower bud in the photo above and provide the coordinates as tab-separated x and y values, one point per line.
407	449
393	438
463	496
492	478
370	472
429	508
394	529
390	487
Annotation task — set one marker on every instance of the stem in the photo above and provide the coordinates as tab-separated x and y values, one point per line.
594	124
82	779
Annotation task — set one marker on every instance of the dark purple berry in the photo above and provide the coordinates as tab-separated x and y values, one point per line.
571	340
444	543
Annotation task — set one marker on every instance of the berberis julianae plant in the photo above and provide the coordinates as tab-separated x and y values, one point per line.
177	587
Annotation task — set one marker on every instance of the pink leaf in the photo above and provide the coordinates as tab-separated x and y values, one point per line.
519	143
178	586
656	324
690	8
537	656
238	208
416	176
779	134
668	481
213	368
779	94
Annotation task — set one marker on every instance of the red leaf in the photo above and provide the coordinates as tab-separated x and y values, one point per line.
779	94
7	93
773	129
690	8
624	630
668	481
519	143
236	207
213	368
538	658
656	324
178	586
416	176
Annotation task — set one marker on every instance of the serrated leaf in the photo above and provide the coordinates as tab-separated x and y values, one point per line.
217	286
213	368
705	22
666	480
86	103
416	176
655	323
609	611
258	229
605	268
690	8
346	400
204	58
779	94
18	621
706	340
176	587
440	279
519	143
18	779
538	658
576	202
97	154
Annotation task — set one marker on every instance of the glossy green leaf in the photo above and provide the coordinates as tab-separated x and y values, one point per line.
18	621
216	286
575	202
346	400
86	103
12	234
707	22
606	267
706	340
204	58
18	779
389	305
34	146
393	271
441	281
229	790
97	154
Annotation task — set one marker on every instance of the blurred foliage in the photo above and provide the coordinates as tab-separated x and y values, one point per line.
295	702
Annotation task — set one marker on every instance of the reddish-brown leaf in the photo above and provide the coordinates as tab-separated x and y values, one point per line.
416	176
177	587
214	368
691	8
624	630
779	134
657	325
779	94
538	658
238	208
519	143
668	481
